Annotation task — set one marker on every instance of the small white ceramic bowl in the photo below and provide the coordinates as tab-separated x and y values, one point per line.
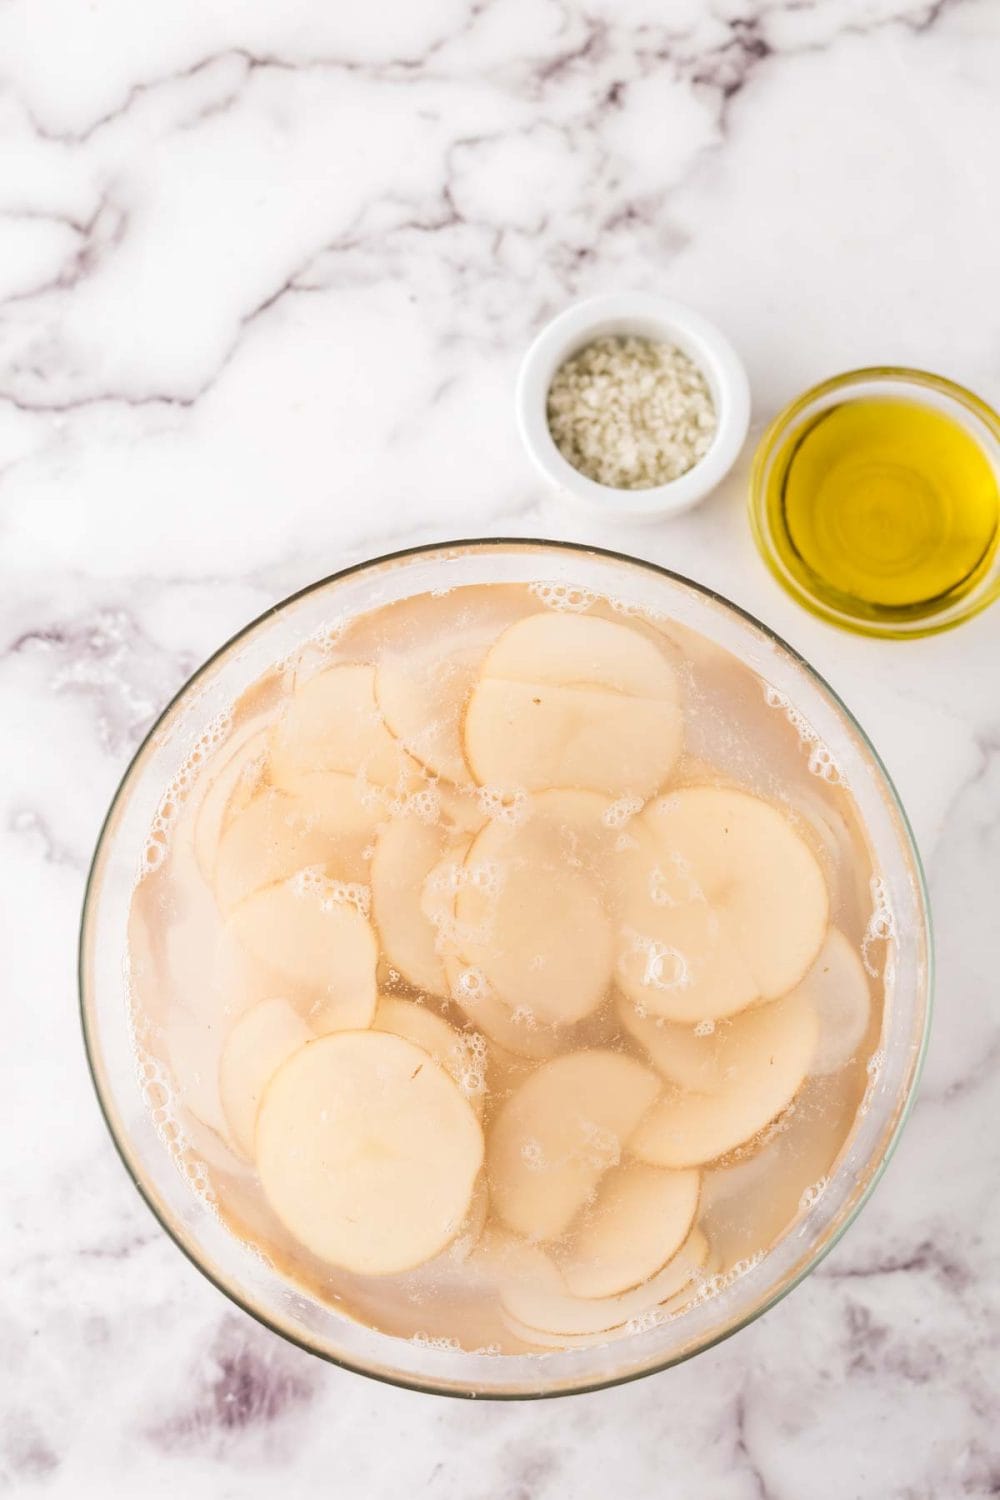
651	317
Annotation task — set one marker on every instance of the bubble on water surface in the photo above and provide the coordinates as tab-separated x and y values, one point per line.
822	762
812	1194
563	597
621	811
503	804
881	927
442	1345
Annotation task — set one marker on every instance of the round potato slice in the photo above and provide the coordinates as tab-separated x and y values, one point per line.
537	1338
574	701
318	942
237	980
533	735
545	942
765	1056
230	789
192	1045
581	651
428	650
591	833
367	1152
538	1298
837	986
517	1032
680	1053
333	723
255	1049
430	655
405	853
556	1136
640	1218
462	1054
728	905
276	835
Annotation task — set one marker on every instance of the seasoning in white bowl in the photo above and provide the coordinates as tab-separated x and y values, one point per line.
630	412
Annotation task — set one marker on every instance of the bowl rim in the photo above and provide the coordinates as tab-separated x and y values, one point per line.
697	336
426	1386
968	605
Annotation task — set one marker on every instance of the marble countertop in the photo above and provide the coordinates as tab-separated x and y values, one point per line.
266	274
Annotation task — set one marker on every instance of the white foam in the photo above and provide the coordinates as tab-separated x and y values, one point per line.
327	635
881	926
503	804
812	1194
178	790
470	1054
563	597
621	812
822	762
311	881
443	1345
712	1286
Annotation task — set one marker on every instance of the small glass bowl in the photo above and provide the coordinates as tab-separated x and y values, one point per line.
886	382
124	1091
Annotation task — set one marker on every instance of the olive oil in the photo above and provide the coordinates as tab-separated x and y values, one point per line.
884	508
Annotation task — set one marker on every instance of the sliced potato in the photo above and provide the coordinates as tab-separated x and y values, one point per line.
192	1044
581	651
367	1152
574	701
238	979
230	789
544	941
534	735
538	1297
516	1032
837	986
555	1137
728	905
333	723
590	833
538	1338
430	649
520	1035
462	1054
640	1217
405	853
461	808
765	1056
319	943
680	1053
344	807
255	1049
276	835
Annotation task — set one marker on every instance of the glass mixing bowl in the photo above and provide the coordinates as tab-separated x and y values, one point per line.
240	1272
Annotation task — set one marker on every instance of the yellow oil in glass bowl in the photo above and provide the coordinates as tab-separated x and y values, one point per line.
876	501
